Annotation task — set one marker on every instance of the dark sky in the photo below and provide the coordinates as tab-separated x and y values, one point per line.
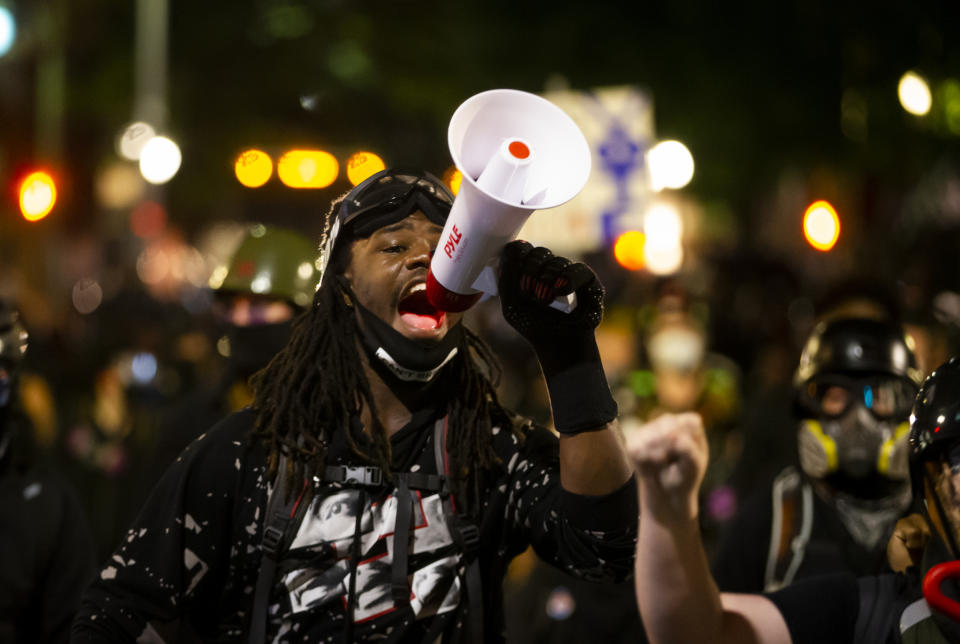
752	90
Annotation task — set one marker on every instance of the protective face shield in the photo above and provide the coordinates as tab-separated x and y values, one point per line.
386	198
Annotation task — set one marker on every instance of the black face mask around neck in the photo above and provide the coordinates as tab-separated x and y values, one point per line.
252	347
404	358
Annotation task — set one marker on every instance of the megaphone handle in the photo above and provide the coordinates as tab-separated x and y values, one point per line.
486	282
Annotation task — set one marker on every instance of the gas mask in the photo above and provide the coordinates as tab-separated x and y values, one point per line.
859	428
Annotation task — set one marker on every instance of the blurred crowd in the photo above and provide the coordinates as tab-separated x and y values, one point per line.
106	396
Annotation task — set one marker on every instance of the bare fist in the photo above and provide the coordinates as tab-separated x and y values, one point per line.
907	542
670	455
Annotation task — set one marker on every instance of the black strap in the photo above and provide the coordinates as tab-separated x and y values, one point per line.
401	542
466	534
355	555
372	476
280	509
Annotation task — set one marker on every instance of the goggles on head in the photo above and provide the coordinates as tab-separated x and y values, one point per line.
885	397
385	198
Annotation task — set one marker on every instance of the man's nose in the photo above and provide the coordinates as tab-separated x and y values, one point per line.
419	256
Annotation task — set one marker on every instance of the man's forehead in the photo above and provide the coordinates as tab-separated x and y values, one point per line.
412	221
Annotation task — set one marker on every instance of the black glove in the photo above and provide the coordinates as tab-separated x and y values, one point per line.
530	279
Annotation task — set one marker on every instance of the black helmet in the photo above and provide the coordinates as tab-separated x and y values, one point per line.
857	346
935	436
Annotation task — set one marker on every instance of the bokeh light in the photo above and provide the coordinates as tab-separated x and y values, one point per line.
307	169
131	141
8	30
159	160
821	225
87	295
662	225
453	178
148	220
38	194
143	367
628	250
663	247
119	185
914	93
663	260
670	164
253	168
362	165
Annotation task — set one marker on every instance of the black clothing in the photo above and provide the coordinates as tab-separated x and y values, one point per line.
550	607
195	550
741	560
821	609
881	609
46	557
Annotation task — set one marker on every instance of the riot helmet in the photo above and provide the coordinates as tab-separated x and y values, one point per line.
270	277
935	452
854	386
270	262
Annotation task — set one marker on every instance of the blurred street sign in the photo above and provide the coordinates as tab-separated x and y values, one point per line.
618	125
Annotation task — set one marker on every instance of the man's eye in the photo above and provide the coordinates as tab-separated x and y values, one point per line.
396	248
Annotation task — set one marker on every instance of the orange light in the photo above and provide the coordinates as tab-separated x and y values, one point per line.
362	165
821	225
307	169
628	250
453	178
253	168
38	194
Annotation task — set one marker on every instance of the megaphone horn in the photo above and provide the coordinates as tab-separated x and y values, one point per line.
518	153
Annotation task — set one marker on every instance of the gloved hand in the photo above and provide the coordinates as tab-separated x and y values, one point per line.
530	279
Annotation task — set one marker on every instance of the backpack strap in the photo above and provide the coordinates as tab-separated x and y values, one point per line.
790	528
283	516
401	542
464	531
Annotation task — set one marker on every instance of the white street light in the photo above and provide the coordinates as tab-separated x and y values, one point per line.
159	160
670	164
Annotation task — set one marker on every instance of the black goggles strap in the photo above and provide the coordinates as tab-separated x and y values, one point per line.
392	190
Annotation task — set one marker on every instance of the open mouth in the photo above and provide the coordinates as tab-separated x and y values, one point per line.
415	309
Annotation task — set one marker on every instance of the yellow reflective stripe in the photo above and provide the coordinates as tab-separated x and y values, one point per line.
883	461
828	444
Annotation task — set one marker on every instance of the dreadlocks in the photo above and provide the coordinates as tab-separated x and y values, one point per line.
316	386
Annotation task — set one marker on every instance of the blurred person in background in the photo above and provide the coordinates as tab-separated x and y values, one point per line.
381	413
835	512
684	375
680	601
46	549
268	280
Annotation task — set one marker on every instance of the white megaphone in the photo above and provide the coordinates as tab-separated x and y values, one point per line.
518	153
